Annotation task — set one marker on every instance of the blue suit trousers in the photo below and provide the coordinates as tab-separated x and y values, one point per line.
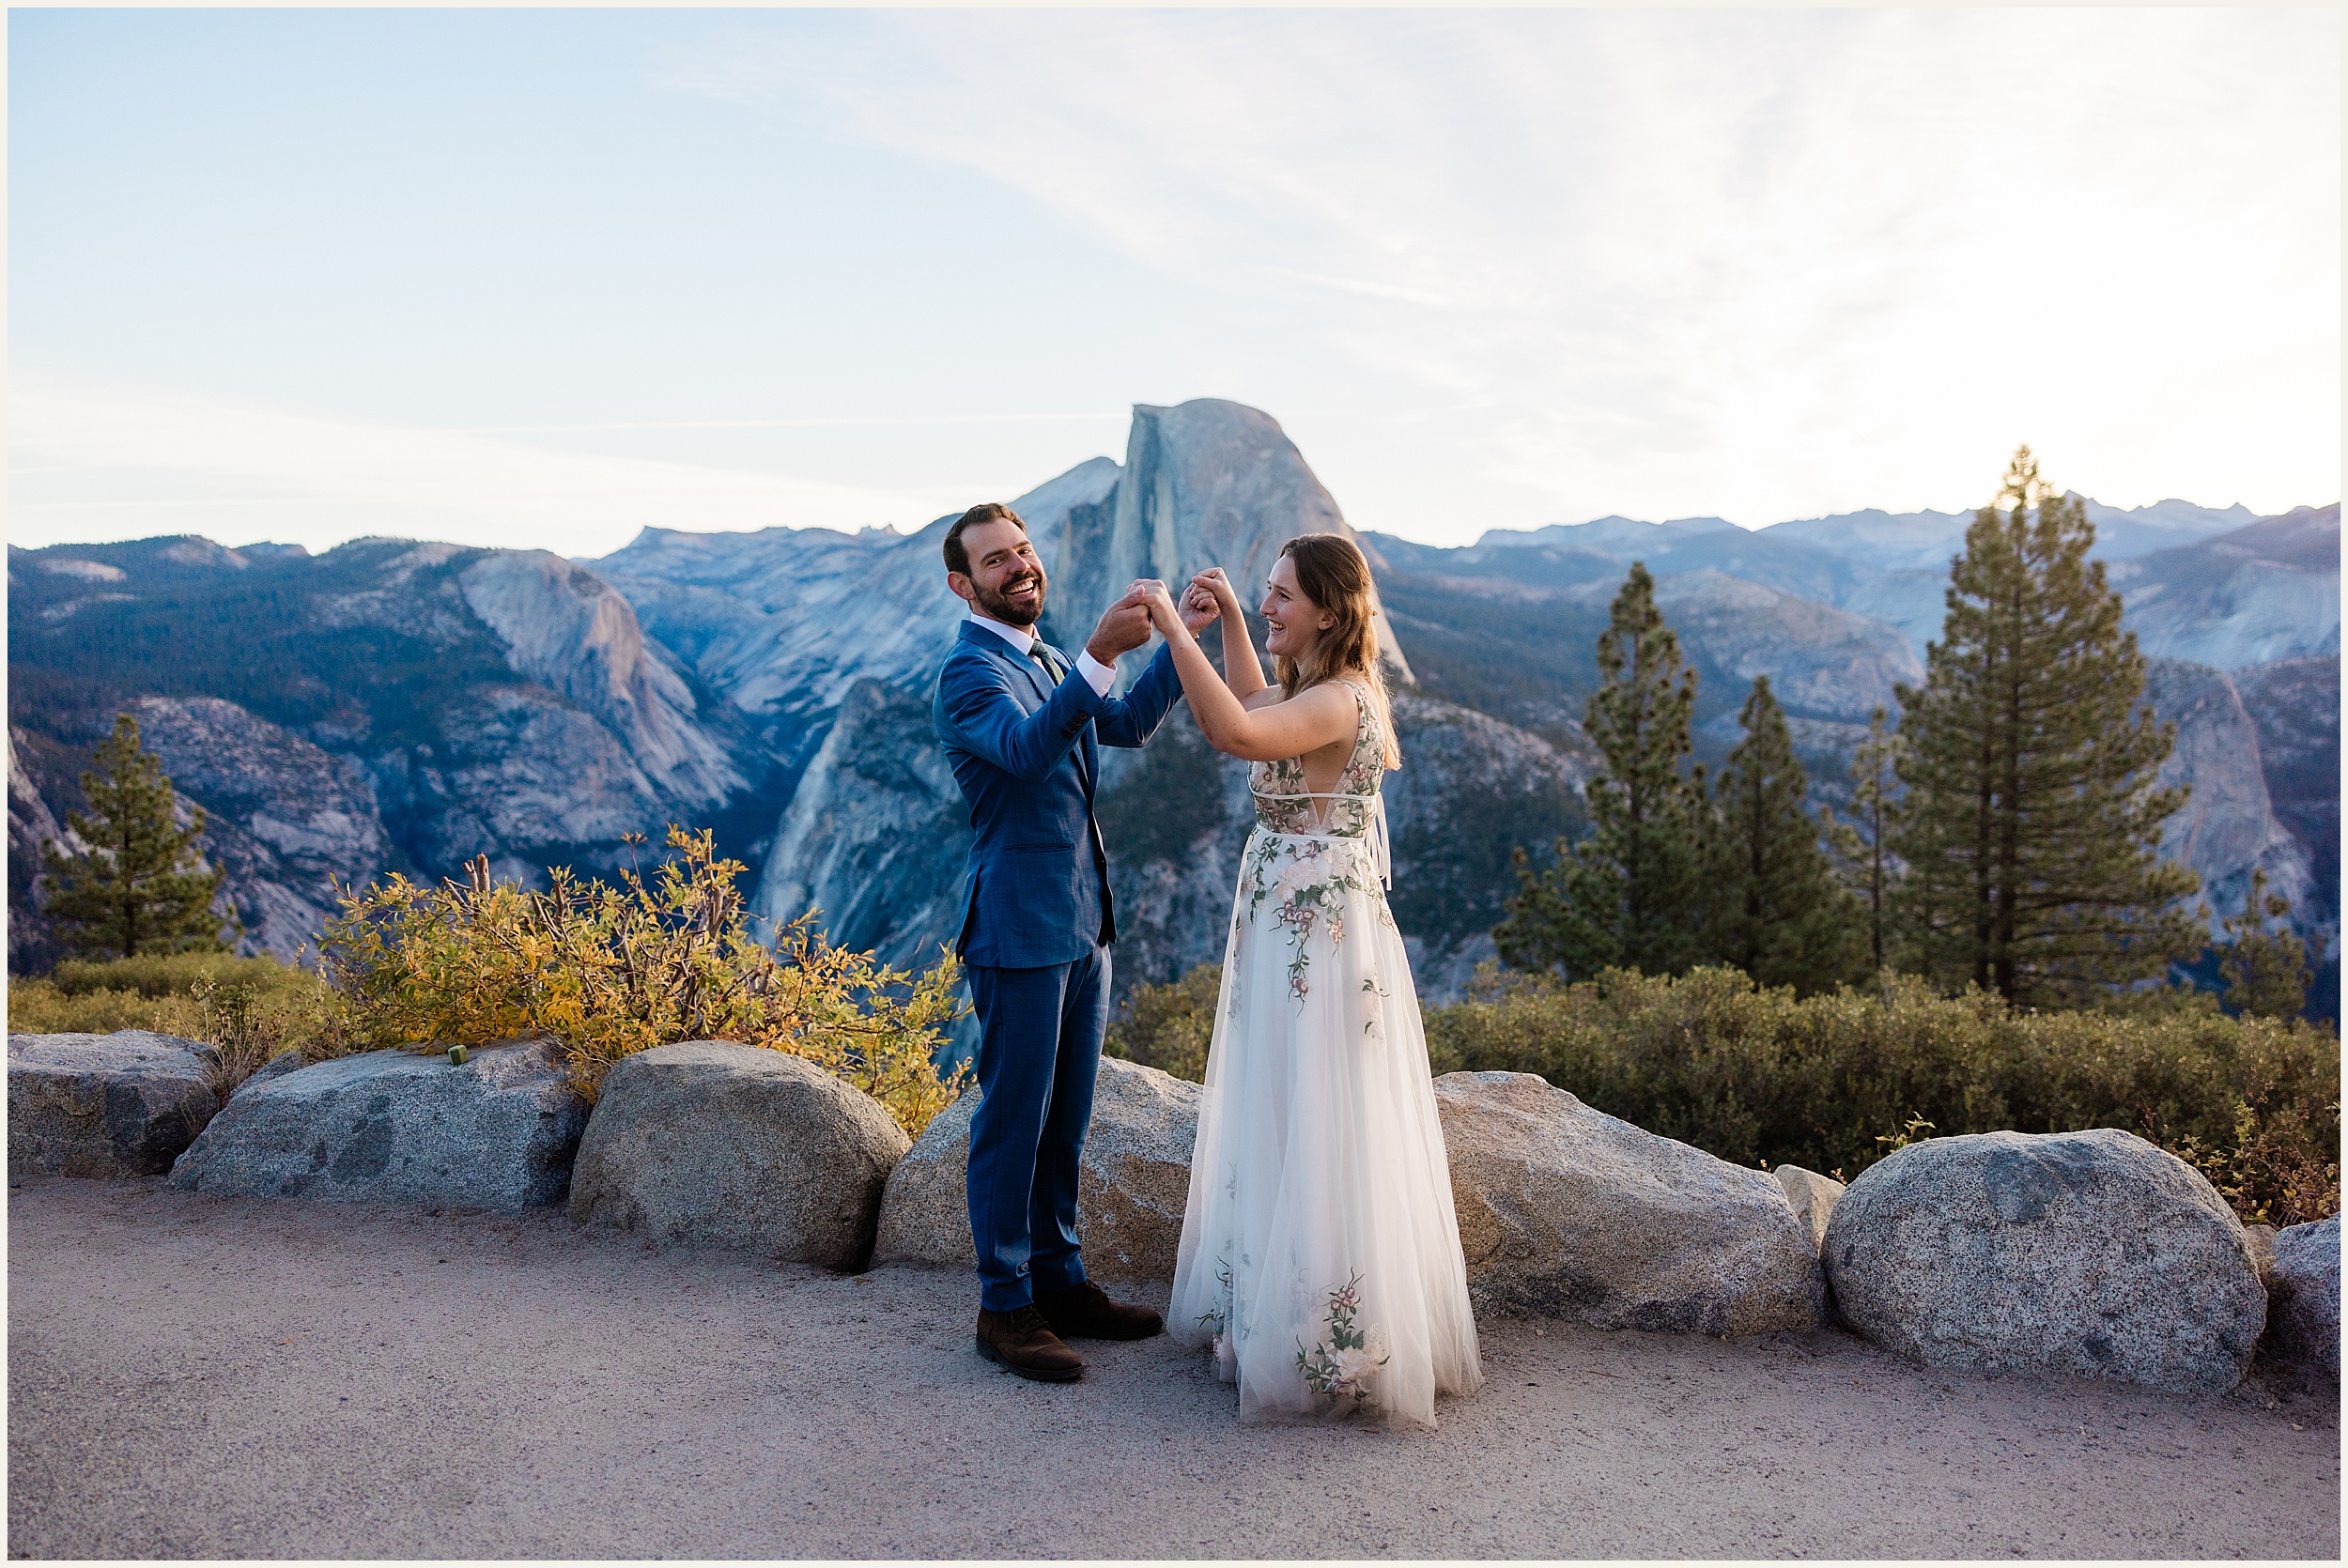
1039	1049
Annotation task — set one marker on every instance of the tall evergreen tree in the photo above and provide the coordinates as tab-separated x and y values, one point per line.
1869	868
1773	907
2265	970
1626	894
141	886
2031	822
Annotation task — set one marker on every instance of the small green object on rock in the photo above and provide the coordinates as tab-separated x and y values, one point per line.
457	1055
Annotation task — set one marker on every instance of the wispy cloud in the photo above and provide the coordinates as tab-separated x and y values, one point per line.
91	459
1681	256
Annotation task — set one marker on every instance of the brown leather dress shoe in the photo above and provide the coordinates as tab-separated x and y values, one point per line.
1022	1341
1085	1312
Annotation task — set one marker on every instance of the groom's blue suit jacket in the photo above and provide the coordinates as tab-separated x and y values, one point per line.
1028	756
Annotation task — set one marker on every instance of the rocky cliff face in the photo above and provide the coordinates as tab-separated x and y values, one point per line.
876	834
31	825
2219	587
2228	827
2294	704
287	819
387	705
569	631
2262	593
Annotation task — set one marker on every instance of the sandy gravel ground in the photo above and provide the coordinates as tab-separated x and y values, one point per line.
194	1376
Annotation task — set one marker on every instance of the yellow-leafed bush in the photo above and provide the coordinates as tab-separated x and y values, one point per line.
607	971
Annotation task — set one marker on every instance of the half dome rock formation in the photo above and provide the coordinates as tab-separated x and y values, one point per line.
1205	484
543	712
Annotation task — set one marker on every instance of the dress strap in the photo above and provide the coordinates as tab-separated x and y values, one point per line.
1380	848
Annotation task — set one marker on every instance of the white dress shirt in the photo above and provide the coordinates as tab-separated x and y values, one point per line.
1098	675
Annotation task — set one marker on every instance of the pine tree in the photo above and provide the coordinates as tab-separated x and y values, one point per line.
141	886
2267	972
1773	906
2031	823
1626	894
1869	867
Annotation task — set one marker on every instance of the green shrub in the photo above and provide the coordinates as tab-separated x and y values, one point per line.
1170	1026
159	975
1757	1078
41	1007
250	1010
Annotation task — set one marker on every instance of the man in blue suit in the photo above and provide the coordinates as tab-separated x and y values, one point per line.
1022	726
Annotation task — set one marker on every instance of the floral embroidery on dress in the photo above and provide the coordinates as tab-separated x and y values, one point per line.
1342	1365
1304	865
1305	879
1218	1318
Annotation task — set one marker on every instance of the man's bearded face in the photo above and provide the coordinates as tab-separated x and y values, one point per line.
1006	575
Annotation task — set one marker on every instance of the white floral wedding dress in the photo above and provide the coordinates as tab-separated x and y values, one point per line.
1320	1255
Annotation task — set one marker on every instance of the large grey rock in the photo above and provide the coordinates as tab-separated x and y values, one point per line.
2303	1306
105	1105
2092	1252
735	1146
1131	1189
1813	1198
1566	1212
270	1071
497	1133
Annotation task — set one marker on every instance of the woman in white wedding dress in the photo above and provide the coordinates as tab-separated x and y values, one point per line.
1320	1255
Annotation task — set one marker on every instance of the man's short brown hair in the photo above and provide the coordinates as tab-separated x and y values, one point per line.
958	559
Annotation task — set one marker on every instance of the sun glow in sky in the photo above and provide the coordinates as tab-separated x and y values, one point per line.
542	278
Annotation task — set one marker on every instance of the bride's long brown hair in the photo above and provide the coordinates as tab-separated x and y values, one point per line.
1333	575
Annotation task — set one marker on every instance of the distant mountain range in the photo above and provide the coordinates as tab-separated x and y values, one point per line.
397	705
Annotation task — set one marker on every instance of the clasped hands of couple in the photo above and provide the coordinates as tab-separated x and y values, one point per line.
1148	606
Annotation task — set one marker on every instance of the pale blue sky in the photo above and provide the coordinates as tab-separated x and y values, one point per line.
543	277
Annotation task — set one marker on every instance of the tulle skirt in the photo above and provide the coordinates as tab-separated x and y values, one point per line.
1320	1256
